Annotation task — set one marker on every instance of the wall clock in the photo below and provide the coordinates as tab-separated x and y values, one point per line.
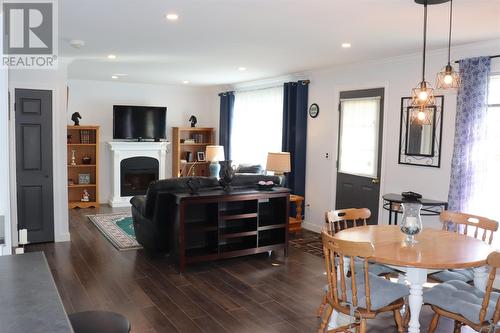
314	110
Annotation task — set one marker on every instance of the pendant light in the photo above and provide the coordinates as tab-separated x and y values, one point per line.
448	78
423	94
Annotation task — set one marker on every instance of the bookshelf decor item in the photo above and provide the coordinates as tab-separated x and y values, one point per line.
187	144
83	166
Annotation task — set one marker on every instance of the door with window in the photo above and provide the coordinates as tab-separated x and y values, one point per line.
360	150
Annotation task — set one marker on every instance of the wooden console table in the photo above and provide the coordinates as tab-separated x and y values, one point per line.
213	225
430	207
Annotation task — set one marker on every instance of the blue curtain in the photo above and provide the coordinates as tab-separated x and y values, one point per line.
470	129
295	133
225	121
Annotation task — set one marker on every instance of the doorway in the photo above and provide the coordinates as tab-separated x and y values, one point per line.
360	150
34	161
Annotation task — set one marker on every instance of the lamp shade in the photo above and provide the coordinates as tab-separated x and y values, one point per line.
278	162
215	153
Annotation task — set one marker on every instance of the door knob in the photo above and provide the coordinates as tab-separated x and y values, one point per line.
375	180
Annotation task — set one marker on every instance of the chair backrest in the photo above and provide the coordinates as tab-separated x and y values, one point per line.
346	218
493	261
481	226
335	248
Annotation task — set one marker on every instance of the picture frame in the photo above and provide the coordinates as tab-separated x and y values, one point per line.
84	178
314	110
200	156
418	145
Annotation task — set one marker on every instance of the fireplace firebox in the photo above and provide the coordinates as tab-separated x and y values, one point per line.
136	175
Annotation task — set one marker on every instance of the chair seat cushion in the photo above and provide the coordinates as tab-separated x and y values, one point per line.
465	275
460	298
374	268
382	291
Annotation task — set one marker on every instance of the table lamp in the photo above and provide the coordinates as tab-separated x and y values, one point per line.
214	154
279	163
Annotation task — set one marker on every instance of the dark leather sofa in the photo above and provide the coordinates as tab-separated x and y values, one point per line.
154	214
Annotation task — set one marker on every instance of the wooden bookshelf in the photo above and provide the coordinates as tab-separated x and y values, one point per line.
84	142
203	137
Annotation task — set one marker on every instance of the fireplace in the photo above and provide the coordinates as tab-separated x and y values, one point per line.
136	173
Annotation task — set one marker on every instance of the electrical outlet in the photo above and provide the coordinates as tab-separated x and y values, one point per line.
327	156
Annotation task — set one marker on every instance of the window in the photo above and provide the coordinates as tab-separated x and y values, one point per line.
257	125
485	200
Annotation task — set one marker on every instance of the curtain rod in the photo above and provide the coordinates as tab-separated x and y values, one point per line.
491	57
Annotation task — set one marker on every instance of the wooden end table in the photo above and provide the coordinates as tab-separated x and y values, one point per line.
295	223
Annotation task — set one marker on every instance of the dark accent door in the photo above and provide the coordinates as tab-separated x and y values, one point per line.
35	198
360	150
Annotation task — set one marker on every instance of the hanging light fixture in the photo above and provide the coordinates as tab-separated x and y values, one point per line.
448	78
423	94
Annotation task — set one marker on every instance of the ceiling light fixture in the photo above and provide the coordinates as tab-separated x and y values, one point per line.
111	56
172	17
448	78
423	94
114	77
346	45
185	82
242	69
77	43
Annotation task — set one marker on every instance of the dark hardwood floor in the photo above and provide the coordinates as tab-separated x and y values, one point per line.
248	294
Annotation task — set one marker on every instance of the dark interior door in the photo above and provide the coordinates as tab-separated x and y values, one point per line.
35	201
360	150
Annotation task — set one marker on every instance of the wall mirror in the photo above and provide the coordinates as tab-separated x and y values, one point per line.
420	133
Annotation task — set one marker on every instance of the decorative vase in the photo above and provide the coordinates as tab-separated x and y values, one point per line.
226	174
214	169
412	222
194	185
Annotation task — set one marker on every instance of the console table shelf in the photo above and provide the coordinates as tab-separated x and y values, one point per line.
214	224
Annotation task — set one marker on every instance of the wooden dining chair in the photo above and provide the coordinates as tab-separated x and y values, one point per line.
476	226
465	304
337	220
363	295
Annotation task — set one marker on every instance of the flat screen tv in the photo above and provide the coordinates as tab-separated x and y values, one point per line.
139	122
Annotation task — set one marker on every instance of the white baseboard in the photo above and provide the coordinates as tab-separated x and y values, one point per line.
64	237
311	226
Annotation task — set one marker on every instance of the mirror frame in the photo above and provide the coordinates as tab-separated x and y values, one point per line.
409	109
427	160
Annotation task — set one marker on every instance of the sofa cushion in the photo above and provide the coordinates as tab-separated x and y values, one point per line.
174	185
461	298
249	169
465	275
382	292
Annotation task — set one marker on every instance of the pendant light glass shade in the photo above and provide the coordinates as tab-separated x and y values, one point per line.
448	78
423	95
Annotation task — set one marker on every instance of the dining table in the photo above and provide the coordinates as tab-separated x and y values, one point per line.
435	249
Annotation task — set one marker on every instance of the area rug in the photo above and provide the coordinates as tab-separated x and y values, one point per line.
118	229
307	241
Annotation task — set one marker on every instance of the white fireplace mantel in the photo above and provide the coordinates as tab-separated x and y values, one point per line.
121	150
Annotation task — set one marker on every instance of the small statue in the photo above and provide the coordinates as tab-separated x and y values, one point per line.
85	196
226	174
193	121
75	118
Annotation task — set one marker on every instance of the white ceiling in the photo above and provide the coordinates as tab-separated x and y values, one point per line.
212	38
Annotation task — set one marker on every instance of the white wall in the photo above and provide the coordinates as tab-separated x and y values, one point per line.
398	76
54	80
94	101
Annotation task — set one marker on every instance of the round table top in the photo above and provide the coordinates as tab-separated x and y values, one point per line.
436	249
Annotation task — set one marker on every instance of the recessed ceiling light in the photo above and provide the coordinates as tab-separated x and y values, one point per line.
172	17
111	56
346	45
120	74
242	69
185	82
114	77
